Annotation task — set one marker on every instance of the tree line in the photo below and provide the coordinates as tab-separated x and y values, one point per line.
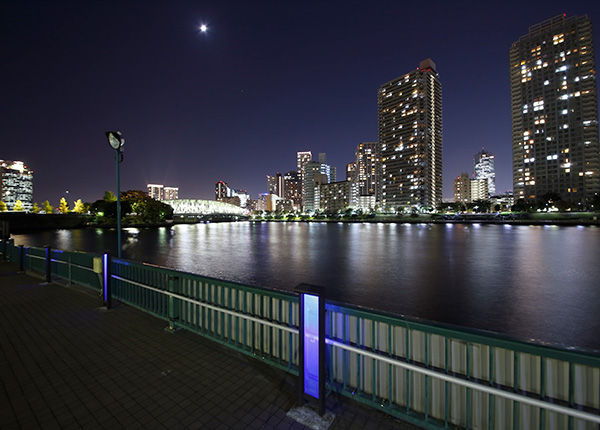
136	205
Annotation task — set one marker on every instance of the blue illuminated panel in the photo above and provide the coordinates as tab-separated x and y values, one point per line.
105	274
311	345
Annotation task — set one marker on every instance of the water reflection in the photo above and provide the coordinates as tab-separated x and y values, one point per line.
526	281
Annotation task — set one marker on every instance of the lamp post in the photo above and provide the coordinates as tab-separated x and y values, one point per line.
116	142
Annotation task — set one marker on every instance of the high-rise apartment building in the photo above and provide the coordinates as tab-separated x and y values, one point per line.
292	188
302	158
368	169
16	183
483	168
315	174
276	185
554	110
410	134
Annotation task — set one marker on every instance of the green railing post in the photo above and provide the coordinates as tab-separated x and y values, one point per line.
48	264
173	305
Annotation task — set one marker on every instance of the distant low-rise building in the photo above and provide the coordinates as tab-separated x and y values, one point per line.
479	189
235	200
160	192
222	190
467	190
351	171
504	201
462	188
338	196
156	191
16	183
171	193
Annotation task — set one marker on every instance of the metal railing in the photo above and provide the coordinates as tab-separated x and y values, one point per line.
81	268
432	375
444	377
259	322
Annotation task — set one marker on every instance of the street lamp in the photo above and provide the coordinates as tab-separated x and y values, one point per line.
116	142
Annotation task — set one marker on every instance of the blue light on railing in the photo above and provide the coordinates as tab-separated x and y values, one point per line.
105	275
311	345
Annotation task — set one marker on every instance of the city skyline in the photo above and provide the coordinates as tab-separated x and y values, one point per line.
237	102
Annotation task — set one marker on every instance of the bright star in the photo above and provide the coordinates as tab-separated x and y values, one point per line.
203	28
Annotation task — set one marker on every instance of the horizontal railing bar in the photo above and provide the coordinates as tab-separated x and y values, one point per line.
215	308
72	264
473	385
186	275
36	256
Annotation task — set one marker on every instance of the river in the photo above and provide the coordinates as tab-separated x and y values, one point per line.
538	283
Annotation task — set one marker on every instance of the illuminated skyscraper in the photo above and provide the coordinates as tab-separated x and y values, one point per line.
276	185
555	111
483	168
292	188
302	158
410	134
368	169
315	174
16	183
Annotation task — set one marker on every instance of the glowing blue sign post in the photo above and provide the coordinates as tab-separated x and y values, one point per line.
312	344
106	294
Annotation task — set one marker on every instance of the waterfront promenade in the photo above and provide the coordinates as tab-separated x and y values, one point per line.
66	363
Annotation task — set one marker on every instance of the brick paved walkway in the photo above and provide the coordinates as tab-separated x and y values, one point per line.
65	363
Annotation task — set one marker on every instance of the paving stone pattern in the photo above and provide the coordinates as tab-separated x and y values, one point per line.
66	363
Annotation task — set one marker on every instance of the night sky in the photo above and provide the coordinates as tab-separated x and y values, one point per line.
269	78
